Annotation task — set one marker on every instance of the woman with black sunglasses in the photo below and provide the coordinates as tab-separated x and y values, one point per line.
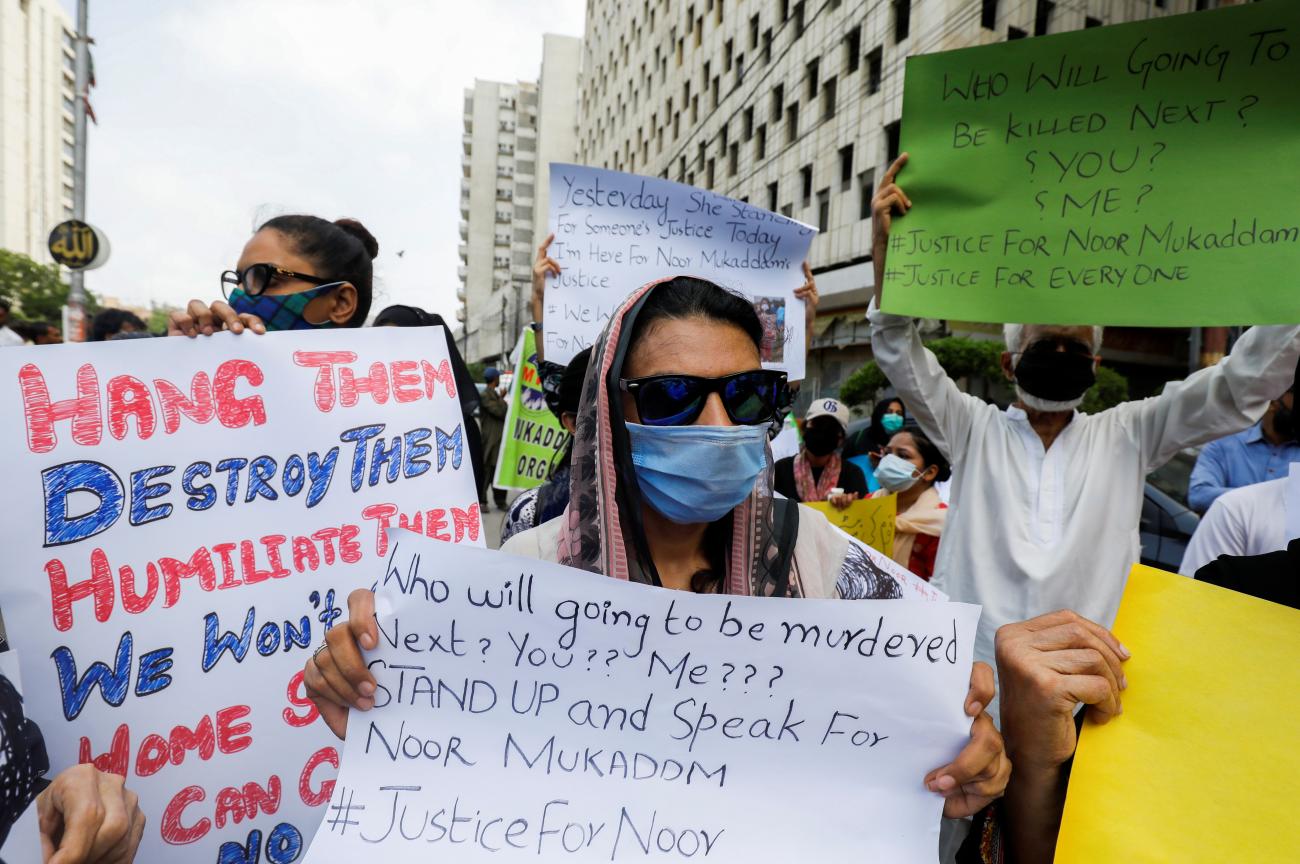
671	486
295	273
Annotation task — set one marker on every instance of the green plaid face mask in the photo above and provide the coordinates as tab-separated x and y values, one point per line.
281	311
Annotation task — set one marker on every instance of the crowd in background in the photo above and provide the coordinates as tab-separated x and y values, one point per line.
684	468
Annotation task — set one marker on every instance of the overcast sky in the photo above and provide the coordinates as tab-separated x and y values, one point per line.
214	116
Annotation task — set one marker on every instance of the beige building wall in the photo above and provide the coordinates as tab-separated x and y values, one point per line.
37	78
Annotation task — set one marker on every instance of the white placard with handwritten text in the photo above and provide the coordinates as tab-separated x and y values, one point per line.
527	711
615	232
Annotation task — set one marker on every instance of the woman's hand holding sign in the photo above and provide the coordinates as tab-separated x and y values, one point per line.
336	675
201	318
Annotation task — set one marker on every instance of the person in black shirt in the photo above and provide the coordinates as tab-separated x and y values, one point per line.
818	473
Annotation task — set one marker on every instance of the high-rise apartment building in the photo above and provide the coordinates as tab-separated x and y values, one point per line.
512	132
37	88
792	105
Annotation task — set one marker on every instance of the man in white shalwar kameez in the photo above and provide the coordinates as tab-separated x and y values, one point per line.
1047	501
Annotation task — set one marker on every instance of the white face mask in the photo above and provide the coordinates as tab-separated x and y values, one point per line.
896	474
1037	403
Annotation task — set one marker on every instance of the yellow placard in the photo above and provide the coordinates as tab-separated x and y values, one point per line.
1202	764
870	520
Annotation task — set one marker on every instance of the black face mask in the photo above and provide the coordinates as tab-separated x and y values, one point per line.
1058	376
1284	423
821	441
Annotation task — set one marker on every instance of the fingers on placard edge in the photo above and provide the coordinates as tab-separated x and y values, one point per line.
331	687
982	684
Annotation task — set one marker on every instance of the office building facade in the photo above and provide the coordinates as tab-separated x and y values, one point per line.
37	89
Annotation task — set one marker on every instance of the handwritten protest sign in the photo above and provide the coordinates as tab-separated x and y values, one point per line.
533	712
533	436
1141	174
185	520
614	232
870	520
1201	765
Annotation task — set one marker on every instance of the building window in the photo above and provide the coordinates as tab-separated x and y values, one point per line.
813	69
866	188
989	14
784	9
787	211
778	102
747	123
805	185
846	168
708	175
760	147
891	142
1015	33
767	46
902	19
853	50
875	62
753	32
828	98
771	196
69	105
792	123
677	124
717	92
733	160
824	210
1043	17
728	52
798	19
1090	22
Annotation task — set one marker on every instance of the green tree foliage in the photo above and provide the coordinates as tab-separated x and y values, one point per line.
159	316
38	291
1110	390
973	358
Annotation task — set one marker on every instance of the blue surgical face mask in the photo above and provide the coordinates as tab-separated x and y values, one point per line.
696	474
896	474
892	423
281	311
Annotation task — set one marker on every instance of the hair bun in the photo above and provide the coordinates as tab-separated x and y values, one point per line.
357	230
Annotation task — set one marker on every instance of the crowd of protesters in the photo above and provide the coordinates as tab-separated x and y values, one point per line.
668	475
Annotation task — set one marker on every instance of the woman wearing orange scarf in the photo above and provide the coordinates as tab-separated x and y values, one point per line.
910	467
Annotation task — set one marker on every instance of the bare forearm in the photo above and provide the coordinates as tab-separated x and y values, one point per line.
538	342
878	267
1032	809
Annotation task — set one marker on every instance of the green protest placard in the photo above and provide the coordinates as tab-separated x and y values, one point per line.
1141	174
533	436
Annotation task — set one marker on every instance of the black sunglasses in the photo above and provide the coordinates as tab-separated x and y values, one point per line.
750	398
256	278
